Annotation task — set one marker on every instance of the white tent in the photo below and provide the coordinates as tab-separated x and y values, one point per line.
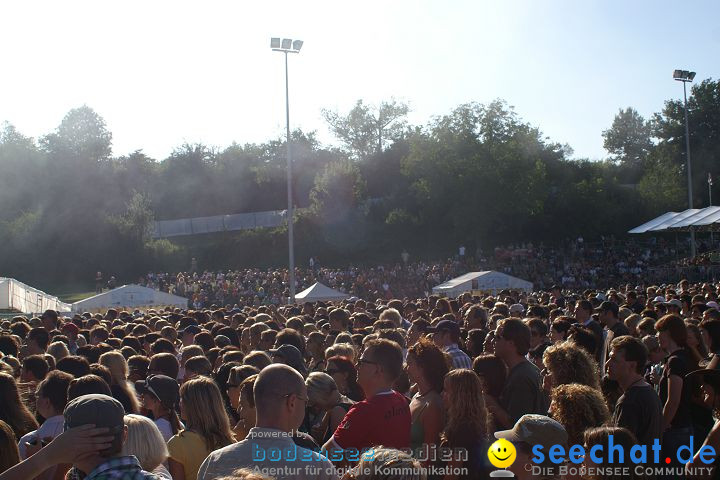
698	219
319	293
129	297
488	281
17	296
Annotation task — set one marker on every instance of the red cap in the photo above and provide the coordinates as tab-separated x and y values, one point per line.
70	327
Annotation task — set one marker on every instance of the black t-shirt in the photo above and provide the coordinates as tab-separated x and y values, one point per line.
678	363
523	392
640	411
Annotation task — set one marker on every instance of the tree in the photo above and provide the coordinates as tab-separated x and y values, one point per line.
82	136
628	139
704	126
136	223
338	192
364	128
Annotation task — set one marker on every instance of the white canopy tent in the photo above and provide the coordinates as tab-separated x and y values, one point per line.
129	297
17	296
320	293
488	281
698	219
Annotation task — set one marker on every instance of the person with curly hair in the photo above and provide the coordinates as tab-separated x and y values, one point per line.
578	407
467	420
567	363
426	367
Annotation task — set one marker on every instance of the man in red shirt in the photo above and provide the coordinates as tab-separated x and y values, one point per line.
384	417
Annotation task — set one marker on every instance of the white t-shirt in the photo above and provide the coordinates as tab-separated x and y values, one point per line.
165	428
51	428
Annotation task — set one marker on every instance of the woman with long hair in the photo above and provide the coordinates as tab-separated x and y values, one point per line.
578	407
675	390
12	410
9	453
246	408
492	373
207	428
466	425
426	368
566	363
344	373
121	389
160	396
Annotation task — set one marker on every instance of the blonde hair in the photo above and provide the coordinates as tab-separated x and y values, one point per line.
320	386
391	314
58	350
466	407
145	441
388	464
342	350
116	363
204	412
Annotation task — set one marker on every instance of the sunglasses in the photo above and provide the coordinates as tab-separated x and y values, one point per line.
360	361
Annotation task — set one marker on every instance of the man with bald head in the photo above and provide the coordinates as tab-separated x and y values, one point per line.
280	398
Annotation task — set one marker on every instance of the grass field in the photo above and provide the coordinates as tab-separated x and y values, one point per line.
73	296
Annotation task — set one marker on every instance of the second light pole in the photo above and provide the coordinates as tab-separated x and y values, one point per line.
686	76
286	46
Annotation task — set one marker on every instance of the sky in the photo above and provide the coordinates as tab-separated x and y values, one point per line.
163	73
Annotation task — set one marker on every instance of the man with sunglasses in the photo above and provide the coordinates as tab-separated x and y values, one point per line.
384	417
280	398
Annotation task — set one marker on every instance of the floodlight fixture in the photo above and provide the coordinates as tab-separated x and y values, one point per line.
286	44
275	43
297	45
683	75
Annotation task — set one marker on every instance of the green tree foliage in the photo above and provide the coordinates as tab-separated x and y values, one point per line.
477	175
704	125
629	139
338	191
364	129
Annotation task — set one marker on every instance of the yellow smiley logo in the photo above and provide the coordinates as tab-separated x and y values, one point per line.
501	453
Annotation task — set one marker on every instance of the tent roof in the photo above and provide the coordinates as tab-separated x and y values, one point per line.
321	292
129	296
457	281
27	299
697	218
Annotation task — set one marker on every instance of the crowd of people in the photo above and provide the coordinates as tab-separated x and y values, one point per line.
390	389
574	265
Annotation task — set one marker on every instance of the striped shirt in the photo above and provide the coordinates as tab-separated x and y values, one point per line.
459	358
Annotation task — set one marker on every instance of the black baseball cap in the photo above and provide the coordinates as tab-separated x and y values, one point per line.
608	306
445	326
163	387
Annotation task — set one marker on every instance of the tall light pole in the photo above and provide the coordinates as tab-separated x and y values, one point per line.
288	46
685	76
710	181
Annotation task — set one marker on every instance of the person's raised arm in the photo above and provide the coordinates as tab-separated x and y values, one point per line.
67	448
